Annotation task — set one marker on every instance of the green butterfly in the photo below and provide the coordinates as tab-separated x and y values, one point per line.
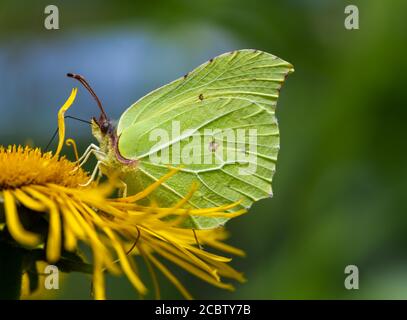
217	123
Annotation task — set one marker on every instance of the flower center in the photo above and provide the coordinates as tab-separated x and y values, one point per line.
22	166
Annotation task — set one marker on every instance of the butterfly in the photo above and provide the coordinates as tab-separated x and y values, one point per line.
217	124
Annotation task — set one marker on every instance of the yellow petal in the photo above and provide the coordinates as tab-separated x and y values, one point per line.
14	225
98	278
150	188
170	276
131	275
153	274
61	120
27	201
54	235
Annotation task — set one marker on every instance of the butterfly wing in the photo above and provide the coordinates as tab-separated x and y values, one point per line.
218	122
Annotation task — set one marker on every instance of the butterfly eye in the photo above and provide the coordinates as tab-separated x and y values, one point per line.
105	126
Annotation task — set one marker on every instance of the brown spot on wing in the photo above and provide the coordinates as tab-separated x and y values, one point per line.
213	146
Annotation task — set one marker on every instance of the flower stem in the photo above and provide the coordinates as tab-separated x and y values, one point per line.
11	271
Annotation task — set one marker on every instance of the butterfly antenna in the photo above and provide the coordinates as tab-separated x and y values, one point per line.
83	81
57	129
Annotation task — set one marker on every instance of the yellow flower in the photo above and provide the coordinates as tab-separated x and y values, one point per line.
41	188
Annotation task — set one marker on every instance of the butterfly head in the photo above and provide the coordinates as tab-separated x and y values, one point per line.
104	125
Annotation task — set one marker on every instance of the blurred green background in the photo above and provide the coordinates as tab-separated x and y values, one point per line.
340	187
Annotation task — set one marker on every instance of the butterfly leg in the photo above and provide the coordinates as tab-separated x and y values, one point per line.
100	175
93	176
123	189
92	146
87	156
196	240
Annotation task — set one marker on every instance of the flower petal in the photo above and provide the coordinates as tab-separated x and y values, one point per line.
61	120
14	225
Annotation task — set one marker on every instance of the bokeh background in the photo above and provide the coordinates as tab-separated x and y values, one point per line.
341	183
